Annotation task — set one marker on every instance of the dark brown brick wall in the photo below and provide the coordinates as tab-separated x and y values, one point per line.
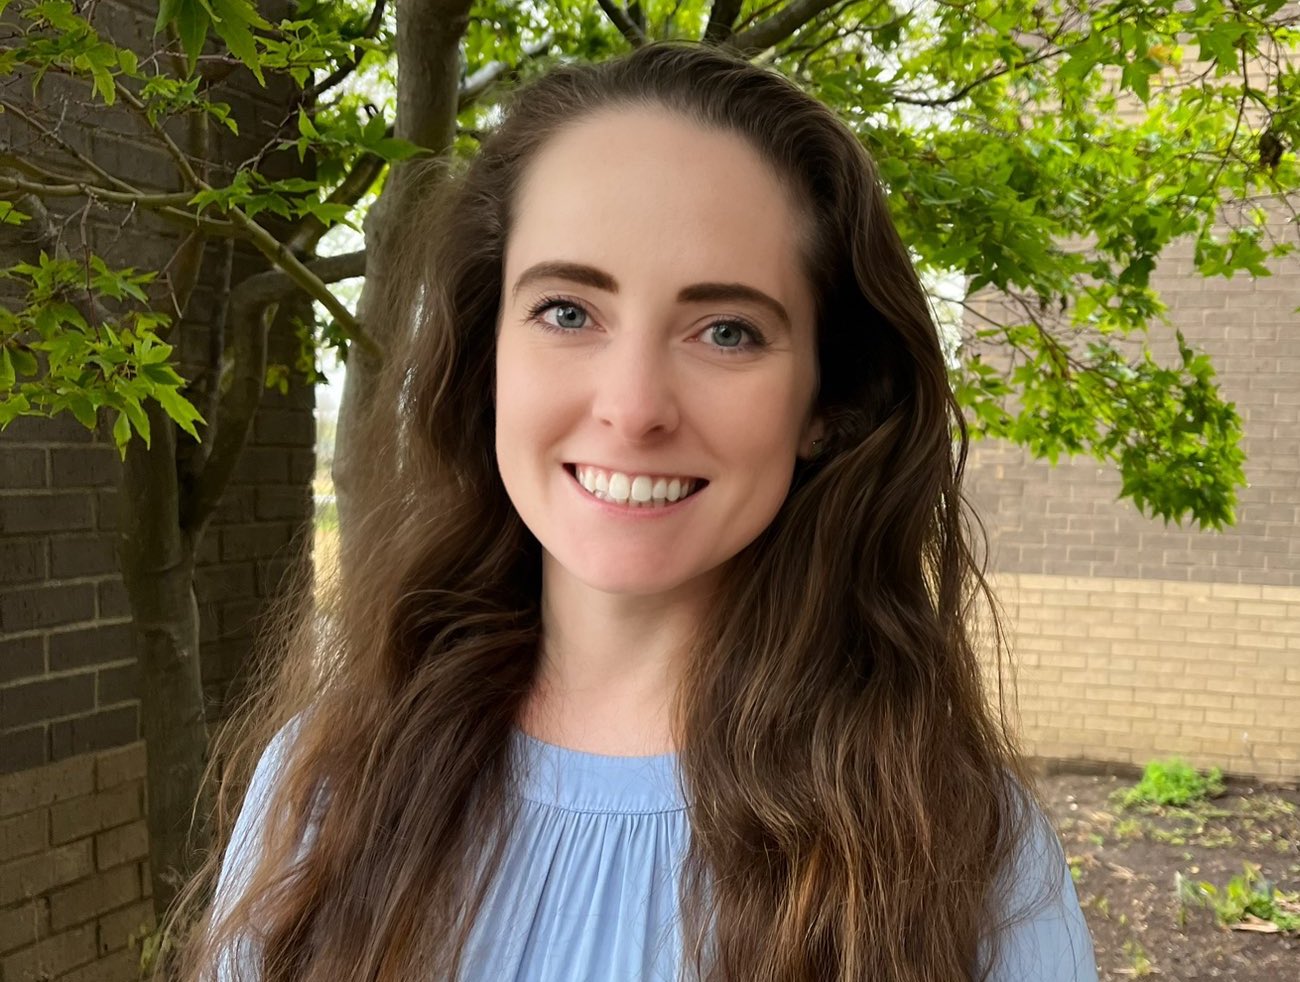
1066	520
1133	640
74	883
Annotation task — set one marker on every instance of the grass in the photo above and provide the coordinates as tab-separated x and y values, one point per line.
1172	782
1247	895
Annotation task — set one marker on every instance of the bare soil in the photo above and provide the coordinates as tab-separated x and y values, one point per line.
1125	861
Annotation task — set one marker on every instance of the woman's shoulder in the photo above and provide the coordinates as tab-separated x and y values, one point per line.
1042	934
244	847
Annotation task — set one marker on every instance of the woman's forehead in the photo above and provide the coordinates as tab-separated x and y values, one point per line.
648	194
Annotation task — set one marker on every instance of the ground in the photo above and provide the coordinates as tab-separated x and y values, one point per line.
1126	863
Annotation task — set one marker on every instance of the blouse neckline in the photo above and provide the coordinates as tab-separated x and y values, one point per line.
580	781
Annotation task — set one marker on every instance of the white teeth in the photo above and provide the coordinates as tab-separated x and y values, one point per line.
634	491
619	486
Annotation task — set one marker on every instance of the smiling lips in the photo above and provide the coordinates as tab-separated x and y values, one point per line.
634	490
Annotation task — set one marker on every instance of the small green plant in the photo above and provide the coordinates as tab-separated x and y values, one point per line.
1249	893
1129	828
1172	782
1139	963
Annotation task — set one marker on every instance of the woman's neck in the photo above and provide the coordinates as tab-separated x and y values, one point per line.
610	666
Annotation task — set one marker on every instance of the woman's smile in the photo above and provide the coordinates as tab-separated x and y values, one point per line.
606	489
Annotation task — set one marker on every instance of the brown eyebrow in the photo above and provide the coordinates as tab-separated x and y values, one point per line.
695	293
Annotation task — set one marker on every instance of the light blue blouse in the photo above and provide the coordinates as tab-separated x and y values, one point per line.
587	890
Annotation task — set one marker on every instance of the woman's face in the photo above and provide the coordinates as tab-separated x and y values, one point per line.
656	329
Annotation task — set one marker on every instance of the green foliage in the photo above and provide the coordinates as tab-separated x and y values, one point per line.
1172	782
1045	155
1249	894
232	20
92	362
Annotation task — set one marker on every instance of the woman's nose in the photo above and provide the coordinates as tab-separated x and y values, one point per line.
635	392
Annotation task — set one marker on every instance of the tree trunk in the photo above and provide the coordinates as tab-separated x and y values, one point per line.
158	571
428	94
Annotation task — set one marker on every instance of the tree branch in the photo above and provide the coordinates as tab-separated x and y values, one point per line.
495	71
182	162
428	49
360	179
164	204
254	304
626	26
722	18
205	388
238	401
779	26
78	189
310	93
989	76
275	285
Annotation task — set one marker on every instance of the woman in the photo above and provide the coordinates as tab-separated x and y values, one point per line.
650	656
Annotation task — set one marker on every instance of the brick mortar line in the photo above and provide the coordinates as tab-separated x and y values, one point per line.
49	445
69	673
120	704
72	627
66	581
63	674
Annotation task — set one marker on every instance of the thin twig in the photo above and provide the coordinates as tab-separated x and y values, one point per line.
623	22
178	155
68	148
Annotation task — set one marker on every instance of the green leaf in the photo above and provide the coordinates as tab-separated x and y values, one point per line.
82	408
121	432
192	22
7	376
233	22
13	407
24	362
180	409
139	419
305	126
167	10
391	148
375	129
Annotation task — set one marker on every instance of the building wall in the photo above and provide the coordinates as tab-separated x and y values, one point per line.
74	878
1136	639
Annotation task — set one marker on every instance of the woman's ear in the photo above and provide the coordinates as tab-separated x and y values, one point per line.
813	438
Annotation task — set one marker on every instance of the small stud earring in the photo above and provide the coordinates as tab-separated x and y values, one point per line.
816	447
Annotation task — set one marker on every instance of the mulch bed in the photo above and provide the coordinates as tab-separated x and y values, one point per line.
1125	861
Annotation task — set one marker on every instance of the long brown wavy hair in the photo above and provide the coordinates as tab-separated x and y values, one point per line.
847	772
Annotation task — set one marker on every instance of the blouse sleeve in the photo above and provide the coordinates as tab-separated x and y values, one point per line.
1045	937
243	853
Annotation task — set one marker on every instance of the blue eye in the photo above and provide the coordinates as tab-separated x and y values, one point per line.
737	329
570	309
568	315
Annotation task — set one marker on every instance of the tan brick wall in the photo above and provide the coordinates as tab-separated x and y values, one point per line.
1128	670
74	872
